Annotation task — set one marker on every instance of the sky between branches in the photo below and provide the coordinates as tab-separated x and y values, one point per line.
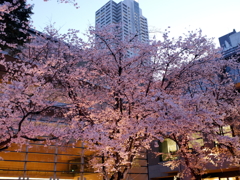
215	17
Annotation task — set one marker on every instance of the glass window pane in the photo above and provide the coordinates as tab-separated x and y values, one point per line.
13	156
41	157
40	166
229	134
42	148
67	159
172	146
168	148
69	150
12	165
227	131
223	179
65	168
16	147
37	173
214	178
196	140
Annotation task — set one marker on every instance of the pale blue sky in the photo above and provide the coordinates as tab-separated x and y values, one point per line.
215	17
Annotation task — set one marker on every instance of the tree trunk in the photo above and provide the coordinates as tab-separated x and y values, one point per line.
120	175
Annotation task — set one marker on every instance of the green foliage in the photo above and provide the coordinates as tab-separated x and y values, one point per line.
15	23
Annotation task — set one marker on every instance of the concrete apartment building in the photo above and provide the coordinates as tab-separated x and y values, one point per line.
126	13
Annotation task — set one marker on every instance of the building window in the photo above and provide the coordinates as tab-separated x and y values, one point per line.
168	148
196	140
225	131
221	178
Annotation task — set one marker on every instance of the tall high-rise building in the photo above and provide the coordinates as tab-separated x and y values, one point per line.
126	13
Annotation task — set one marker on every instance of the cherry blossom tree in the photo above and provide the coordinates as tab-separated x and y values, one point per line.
176	89
44	85
91	80
124	73
195	98
27	91
118	95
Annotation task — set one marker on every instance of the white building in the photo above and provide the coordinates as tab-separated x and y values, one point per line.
128	14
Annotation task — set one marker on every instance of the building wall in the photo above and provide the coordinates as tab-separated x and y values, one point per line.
158	171
37	160
128	14
230	48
